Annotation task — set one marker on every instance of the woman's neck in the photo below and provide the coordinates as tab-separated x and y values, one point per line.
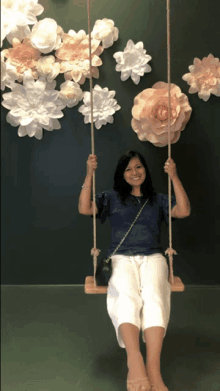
137	194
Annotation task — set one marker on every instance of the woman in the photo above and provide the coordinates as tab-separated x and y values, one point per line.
139	292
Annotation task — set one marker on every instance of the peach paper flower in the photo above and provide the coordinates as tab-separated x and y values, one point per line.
150	114
23	56
204	77
74	56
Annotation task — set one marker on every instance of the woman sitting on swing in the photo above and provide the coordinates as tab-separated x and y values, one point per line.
139	293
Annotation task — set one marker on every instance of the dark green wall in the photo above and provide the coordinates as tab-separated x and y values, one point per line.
44	238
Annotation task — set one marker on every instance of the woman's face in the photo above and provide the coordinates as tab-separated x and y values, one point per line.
134	173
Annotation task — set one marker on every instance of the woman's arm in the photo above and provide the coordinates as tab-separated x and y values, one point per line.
182	208
85	203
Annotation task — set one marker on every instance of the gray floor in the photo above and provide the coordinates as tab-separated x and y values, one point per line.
57	338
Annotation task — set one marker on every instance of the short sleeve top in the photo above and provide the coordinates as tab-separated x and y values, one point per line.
144	237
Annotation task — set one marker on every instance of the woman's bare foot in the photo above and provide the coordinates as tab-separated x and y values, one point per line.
155	378
136	366
137	377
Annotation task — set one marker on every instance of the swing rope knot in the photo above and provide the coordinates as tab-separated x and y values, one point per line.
95	251
170	251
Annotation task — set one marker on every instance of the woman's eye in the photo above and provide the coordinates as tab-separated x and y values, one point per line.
129	168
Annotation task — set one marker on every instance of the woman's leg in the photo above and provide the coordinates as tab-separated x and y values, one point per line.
130	335
154	341
156	295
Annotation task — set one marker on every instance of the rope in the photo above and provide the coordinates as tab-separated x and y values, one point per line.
170	251
94	251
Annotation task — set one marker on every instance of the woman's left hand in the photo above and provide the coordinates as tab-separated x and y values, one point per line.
170	168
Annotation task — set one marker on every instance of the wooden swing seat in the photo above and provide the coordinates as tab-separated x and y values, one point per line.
90	288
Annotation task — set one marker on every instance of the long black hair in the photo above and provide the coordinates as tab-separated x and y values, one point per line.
123	188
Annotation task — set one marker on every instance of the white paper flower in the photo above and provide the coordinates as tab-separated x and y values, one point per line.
48	68
70	93
19	32
33	107
46	35
204	77
8	73
105	31
132	61
19	13
5	28
104	106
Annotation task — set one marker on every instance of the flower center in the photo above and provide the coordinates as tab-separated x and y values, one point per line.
161	112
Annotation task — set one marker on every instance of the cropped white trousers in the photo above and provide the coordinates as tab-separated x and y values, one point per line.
139	292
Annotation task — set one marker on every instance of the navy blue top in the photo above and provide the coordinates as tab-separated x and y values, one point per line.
144	237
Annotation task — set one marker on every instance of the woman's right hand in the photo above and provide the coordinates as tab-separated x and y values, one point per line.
91	164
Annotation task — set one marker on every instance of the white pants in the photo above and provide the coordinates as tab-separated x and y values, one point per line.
139	292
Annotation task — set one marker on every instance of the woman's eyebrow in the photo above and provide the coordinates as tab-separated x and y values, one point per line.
138	164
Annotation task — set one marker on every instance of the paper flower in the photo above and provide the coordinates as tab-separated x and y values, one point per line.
33	107
48	68
150	114
74	56
204	77
132	61
105	31
104	106
23	56
8	73
70	93
46	35
17	14
19	32
5	28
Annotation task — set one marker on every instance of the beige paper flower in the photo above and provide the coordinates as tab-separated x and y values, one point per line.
48	68
74	56
204	77
23	56
46	35
70	93
150	114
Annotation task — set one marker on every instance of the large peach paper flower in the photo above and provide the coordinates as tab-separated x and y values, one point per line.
150	114
23	57
204	77
74	56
